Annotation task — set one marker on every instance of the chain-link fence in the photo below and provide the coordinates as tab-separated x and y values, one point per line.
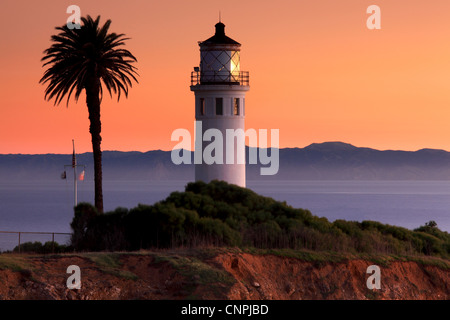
10	240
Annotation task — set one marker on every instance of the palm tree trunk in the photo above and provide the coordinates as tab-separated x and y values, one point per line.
95	128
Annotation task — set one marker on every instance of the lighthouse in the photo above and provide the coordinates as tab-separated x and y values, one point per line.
219	87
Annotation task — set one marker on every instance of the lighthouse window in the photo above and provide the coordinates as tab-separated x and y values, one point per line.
219	106
236	107
202	107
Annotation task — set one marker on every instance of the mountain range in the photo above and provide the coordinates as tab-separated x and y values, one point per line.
318	161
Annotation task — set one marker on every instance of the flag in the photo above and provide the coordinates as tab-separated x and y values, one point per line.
81	176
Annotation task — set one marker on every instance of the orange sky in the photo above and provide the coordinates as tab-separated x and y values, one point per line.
316	72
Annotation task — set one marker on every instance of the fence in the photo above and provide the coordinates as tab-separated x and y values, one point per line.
21	234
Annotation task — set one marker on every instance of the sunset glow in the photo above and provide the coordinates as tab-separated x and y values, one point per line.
316	73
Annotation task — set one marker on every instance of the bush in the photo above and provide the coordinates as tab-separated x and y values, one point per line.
221	214
83	237
38	247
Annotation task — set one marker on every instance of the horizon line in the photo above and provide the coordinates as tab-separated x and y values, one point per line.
309	145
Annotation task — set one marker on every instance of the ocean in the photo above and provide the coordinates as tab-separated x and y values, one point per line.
47	206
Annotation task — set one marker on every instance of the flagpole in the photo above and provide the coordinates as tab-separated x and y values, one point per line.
74	164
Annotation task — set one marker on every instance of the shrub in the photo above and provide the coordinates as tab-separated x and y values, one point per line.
221	214
38	247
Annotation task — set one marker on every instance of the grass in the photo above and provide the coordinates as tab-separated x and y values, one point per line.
431	261
304	255
188	262
109	262
192	263
321	257
193	268
17	264
14	263
180	258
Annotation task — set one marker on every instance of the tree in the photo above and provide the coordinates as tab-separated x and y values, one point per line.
82	59
431	224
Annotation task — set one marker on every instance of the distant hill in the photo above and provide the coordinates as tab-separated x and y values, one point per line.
341	161
318	161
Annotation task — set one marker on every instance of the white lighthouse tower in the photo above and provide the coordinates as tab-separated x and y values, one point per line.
220	86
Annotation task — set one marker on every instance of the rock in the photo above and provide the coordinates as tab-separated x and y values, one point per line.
256	284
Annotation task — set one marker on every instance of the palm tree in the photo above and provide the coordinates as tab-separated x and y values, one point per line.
82	59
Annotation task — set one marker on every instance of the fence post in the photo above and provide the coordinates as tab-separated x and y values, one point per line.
19	233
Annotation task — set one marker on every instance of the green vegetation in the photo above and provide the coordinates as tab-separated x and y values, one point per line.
193	268
218	214
196	271
16	264
38	247
110	263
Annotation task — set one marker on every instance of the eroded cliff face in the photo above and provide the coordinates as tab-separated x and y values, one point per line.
248	276
272	277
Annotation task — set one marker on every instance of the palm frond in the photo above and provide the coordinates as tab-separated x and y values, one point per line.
76	56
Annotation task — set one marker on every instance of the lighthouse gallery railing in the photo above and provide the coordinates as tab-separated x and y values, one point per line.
241	78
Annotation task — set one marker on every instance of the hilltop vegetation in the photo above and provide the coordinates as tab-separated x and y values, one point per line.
219	214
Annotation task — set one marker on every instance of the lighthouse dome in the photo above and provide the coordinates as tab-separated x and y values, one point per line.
219	37
219	58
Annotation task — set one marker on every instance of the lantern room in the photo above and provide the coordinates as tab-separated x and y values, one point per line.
219	61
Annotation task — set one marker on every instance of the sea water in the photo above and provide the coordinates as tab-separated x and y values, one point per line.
47	206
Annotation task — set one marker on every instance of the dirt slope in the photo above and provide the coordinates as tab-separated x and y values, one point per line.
272	277
227	275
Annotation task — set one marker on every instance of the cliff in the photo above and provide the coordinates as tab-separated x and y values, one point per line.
220	274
